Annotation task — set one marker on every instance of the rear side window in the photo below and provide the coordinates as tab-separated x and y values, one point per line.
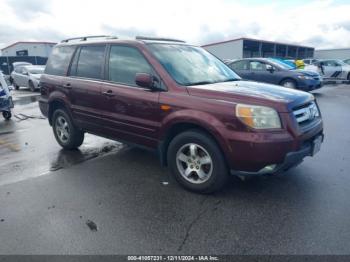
88	62
124	63
240	65
59	60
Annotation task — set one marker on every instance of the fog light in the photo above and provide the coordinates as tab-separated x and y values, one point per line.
268	169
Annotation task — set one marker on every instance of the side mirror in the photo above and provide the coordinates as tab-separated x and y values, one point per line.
147	81
270	69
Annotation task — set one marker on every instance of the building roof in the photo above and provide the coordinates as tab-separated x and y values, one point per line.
28	42
252	39
333	49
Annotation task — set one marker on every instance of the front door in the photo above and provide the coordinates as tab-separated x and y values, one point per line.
130	113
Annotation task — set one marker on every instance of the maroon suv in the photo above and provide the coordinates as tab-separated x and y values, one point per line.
181	101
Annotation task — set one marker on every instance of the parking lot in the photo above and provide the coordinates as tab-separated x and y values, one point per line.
109	198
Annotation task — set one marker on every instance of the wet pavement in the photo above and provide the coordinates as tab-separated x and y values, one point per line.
107	198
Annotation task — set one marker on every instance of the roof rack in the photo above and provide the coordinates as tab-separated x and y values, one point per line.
158	39
84	38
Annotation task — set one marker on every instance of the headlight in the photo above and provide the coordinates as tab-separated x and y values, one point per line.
305	77
259	117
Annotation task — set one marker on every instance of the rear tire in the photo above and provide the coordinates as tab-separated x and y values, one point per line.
7	115
66	134
289	83
197	162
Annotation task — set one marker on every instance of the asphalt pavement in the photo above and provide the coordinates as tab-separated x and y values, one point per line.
109	198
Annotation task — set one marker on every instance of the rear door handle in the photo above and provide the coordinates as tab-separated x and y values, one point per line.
108	93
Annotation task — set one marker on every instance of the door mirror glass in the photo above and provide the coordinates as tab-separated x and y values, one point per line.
145	80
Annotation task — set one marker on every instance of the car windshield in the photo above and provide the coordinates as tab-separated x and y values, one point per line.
38	70
281	64
190	65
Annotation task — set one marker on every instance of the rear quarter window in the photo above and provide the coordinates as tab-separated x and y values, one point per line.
59	60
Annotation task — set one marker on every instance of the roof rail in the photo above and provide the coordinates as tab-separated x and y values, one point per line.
84	38
158	39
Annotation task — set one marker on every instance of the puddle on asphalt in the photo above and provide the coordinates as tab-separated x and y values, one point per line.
67	158
26	100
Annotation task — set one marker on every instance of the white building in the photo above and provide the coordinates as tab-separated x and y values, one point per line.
337	53
28	49
246	47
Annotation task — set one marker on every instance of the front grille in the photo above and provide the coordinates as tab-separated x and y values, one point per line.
306	113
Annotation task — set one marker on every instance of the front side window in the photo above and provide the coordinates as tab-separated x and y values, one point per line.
124	63
190	65
257	66
59	59
88	63
240	65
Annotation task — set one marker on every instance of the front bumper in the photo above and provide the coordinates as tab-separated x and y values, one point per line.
292	159
309	85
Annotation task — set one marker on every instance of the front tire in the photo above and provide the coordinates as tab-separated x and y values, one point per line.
197	162
7	115
66	134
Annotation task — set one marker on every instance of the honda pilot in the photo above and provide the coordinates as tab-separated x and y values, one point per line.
177	99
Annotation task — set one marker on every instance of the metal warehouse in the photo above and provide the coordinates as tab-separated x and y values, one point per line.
42	49
337	53
247	47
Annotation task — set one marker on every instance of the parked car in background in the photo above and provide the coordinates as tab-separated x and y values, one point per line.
180	101
333	68
27	76
269	70
17	65
347	61
310	61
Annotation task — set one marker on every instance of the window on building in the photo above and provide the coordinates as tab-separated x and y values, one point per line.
124	63
281	50
268	50
251	49
292	51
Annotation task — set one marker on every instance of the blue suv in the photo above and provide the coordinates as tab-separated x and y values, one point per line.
273	71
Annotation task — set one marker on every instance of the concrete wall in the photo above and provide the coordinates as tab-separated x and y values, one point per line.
343	53
34	49
228	50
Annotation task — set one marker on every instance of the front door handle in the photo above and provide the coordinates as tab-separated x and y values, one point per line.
68	86
108	93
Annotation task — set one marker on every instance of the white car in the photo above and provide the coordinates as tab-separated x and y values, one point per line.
333	68
27	76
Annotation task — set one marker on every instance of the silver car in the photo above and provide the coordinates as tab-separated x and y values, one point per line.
27	76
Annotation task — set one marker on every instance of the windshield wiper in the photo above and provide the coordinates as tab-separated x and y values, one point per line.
200	83
231	80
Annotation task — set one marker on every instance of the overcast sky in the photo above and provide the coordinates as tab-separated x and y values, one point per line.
320	23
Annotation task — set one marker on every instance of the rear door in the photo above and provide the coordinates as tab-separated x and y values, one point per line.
84	85
130	113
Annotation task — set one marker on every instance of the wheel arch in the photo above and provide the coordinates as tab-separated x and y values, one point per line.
183	126
289	78
55	104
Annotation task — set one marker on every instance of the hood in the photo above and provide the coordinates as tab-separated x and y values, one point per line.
36	76
306	72
281	98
